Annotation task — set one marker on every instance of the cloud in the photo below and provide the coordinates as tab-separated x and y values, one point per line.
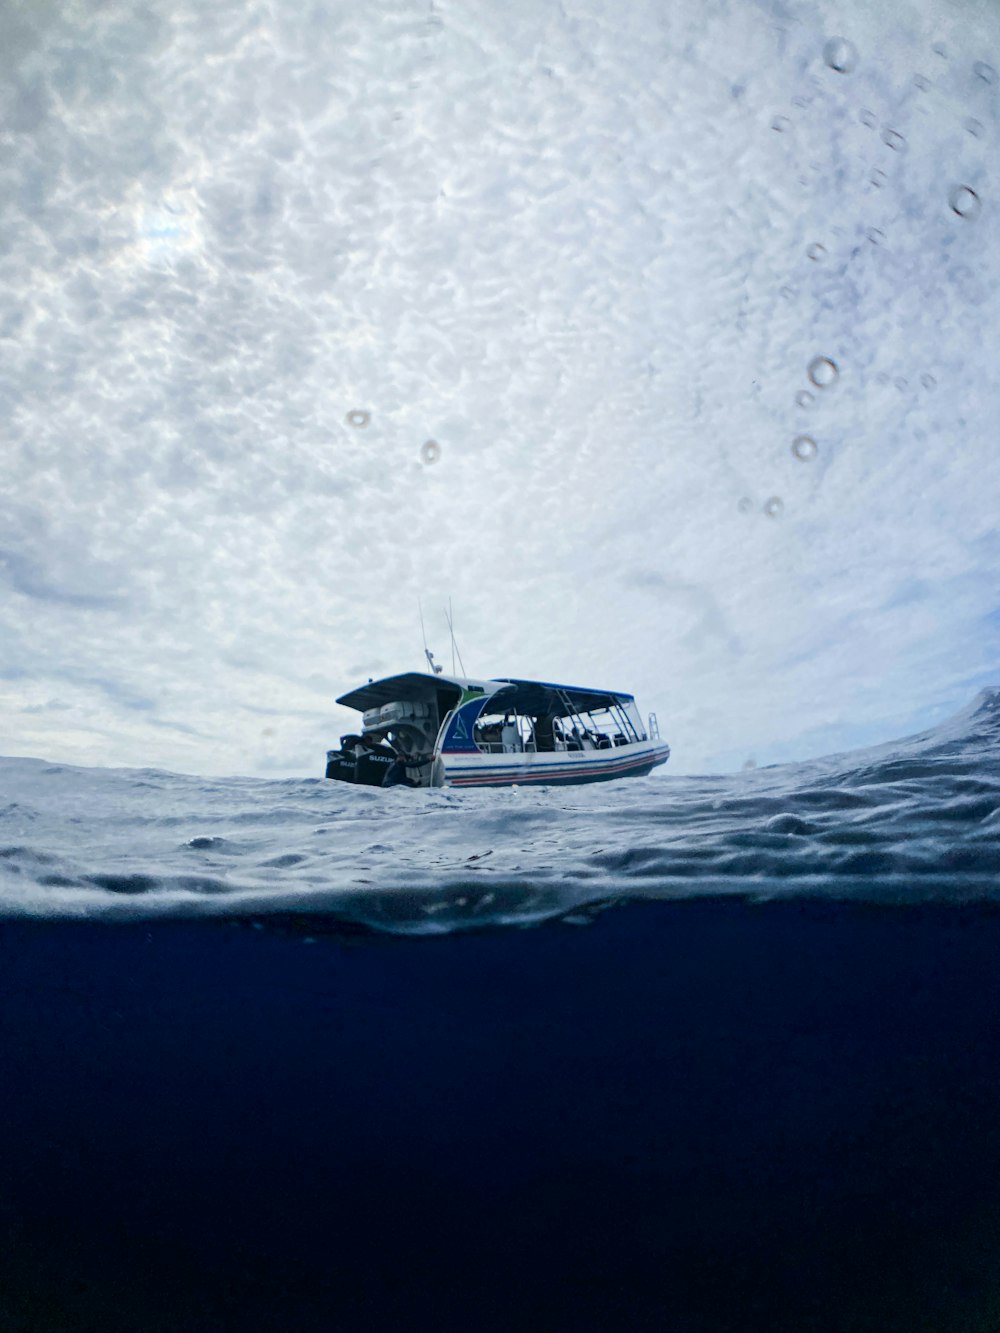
23	576
553	240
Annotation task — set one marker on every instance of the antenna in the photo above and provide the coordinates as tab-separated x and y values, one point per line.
454	645
423	634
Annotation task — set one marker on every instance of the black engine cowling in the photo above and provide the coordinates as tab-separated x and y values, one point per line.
357	762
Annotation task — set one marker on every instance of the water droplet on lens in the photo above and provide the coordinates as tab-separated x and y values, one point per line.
804	448
804	398
928	380
867	119
745	505
922	83
840	54
901	384
878	178
822	372
875	236
358	418
773	507
781	123
983	71
974	127
816	251
430	451
964	201
894	140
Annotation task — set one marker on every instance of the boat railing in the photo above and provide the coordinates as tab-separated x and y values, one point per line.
592	741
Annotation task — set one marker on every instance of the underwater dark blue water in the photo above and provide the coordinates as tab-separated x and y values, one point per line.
714	1054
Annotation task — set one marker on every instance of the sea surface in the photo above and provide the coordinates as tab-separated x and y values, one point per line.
916	821
687	1054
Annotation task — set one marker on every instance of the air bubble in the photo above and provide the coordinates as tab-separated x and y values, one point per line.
867	119
816	251
878	178
804	398
921	82
974	127
983	71
840	54
964	201
894	140
781	123
928	380
875	236
745	505
358	418
774	507
804	448
822	372
430	451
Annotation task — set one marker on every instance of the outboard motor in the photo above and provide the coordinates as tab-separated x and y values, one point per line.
373	764
360	759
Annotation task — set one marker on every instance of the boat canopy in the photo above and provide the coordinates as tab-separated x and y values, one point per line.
539	698
533	697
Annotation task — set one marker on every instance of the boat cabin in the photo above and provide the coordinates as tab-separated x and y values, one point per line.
531	718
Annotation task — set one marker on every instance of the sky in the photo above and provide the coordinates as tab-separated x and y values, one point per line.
660	339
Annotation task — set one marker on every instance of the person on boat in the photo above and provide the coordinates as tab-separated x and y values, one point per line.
509	736
396	775
398	772
544	733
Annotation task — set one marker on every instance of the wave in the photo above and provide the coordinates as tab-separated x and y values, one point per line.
914	821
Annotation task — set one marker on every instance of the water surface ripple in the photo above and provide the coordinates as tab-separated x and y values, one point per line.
915	821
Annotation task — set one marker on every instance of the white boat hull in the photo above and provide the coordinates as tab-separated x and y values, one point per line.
553	769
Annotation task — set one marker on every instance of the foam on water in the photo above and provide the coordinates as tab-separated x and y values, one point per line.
914	821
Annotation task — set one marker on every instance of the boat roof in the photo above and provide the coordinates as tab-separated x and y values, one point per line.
529	696
416	685
543	696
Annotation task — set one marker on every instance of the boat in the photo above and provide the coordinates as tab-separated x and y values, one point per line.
426	729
